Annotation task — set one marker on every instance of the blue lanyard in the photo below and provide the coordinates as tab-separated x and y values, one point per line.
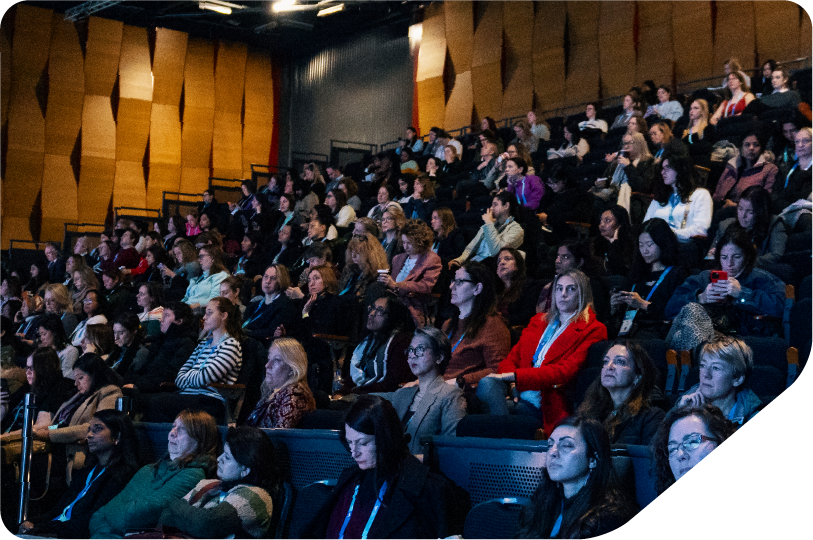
546	337
558	524
255	315
372	515
787	178
660	280
458	341
661	150
66	514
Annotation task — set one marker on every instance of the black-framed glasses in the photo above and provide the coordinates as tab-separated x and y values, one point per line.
379	311
417	352
459	282
689	444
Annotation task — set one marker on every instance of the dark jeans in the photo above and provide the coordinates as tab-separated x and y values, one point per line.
493	395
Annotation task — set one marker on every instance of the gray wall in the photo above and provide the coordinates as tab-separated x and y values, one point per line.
359	91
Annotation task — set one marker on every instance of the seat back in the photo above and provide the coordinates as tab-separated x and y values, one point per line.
309	455
309	500
496	518
152	440
515	426
642	464
252	374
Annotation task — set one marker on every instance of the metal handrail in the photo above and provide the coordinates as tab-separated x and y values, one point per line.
30	410
147	212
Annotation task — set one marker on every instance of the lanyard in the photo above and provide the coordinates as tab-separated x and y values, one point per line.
352	281
660	280
372	515
546	337
66	514
787	178
660	152
458	341
524	201
558	524
255	315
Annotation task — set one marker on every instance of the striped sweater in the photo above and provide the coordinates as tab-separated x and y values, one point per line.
210	363
253	504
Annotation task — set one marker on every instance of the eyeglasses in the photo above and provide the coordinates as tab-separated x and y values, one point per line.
689	444
459	282
379	311
417	352
29	368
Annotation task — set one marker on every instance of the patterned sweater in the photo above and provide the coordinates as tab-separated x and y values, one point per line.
210	363
284	409
209	512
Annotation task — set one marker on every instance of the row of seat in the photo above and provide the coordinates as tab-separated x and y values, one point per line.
503	469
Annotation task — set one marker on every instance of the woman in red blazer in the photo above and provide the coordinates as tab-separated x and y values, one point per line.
415	272
547	359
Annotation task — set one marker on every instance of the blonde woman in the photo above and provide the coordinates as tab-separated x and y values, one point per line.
699	134
286	396
632	170
363	259
58	302
522	129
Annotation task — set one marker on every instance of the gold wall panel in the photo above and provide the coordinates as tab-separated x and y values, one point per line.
431	64
486	62
655	52
32	28
95	187
548	58
5	77
135	99
98	128
583	68
129	188
259	114
22	182
199	103
734	35
102	55
194	179
165	136
518	94
616	47
163	177
230	78
66	89
227	143
691	39
459	108
459	31
59	197
805	35
168	66
777	28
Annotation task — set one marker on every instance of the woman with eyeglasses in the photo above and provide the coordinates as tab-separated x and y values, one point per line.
621	396
379	363
113	459
322	310
545	363
726	364
267	312
686	436
286	396
58	302
578	495
204	288
93	306
632	170
432	407
392	220
480	340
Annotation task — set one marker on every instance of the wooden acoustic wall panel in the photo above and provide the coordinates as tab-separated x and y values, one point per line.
486	62
431	63
734	35
459	29
805	35
165	153
5	77
168	66
102	55
518	94
135	97
583	65
655	53
194	179
26	124
98	162
129	188
616	47
777	28
63	119
59	196
259	114
227	143
66	90
199	104
691	39
459	107
549	54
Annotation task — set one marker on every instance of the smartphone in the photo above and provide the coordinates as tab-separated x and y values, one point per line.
718	275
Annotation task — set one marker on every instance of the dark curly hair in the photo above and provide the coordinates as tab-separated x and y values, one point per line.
679	159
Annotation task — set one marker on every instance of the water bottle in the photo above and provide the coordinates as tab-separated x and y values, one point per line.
337	381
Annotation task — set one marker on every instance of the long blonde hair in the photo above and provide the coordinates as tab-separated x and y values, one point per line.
294	356
373	256
702	122
585	296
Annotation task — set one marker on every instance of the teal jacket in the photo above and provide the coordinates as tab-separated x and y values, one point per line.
140	503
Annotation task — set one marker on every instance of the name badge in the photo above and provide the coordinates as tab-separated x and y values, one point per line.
626	326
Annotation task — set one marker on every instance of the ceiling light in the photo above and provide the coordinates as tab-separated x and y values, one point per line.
328	11
286	5
215	7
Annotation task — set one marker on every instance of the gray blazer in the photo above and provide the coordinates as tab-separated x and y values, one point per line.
438	412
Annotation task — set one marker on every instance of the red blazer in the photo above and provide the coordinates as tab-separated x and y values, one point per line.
415	290
563	361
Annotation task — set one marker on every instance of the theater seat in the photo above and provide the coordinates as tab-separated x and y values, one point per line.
496	518
513	426
309	500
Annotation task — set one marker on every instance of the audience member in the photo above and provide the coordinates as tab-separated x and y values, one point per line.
51	334
449	239
273	309
737	96
93	309
516	302
592	111
748	169
205	287
423	201
614	243
527	188
499	230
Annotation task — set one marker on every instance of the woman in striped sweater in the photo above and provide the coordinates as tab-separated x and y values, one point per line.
215	360
238	503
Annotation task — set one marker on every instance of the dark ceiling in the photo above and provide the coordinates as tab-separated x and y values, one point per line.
293	32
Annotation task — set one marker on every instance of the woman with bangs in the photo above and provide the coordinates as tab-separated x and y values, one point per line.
423	201
194	444
363	259
415	272
449	239
737	96
204	288
621	396
547	359
322	310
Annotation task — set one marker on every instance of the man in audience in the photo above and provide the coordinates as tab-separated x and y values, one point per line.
499	231
748	169
335	175
476	185
127	256
623	119
431	147
56	264
593	122
444	139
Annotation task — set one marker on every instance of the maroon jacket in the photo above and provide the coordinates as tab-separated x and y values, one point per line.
416	289
761	174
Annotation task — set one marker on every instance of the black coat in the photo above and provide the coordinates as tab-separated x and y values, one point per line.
640	428
327	316
166	357
262	319
422	504
452	246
